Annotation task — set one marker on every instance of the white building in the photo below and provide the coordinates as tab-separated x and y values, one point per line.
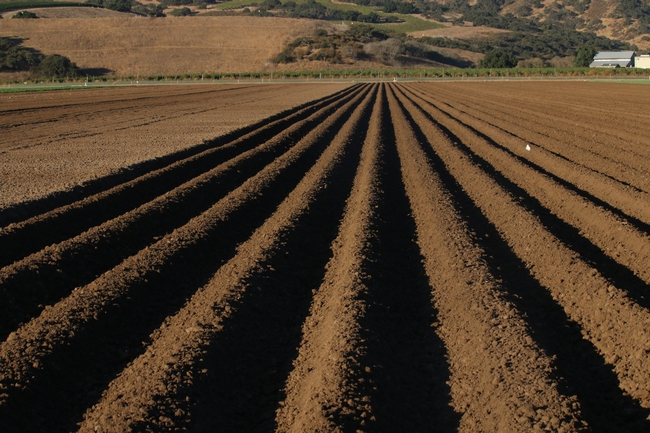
642	61
613	59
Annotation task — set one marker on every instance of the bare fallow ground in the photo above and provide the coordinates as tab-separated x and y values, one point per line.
449	257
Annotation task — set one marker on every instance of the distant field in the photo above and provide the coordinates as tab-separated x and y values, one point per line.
234	4
468	32
412	23
345	6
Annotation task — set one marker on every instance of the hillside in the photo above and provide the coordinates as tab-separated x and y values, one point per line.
626	20
172	45
621	20
233	37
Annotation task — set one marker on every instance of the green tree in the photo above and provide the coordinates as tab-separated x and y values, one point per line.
56	66
498	59
119	5
13	57
182	12
25	14
584	56
20	59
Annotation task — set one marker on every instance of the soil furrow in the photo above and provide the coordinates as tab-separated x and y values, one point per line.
630	173
43	278
616	273
29	236
613	323
109	318
576	120
320	392
174	107
369	360
141	94
600	225
574	123
580	369
408	381
24	211
489	349
212	351
389	257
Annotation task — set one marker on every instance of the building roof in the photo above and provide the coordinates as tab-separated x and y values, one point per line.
611	55
613	59
611	63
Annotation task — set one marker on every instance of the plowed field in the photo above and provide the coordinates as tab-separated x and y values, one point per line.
454	257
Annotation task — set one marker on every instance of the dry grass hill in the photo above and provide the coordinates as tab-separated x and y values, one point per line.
624	20
173	45
119	44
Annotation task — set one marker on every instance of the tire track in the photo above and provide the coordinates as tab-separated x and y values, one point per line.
576	120
137	94
27	210
183	105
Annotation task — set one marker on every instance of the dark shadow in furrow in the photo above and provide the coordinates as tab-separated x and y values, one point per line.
581	371
407	358
26	294
18	244
248	362
30	209
617	274
633	221
73	377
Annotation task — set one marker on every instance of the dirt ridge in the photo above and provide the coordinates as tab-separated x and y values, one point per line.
386	257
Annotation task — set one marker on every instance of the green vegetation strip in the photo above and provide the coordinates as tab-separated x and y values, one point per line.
629	75
235	4
626	81
411	24
42	88
14	5
343	6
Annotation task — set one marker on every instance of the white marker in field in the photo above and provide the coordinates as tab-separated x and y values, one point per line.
528	147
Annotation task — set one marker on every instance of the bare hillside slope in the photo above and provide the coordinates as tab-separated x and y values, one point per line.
145	46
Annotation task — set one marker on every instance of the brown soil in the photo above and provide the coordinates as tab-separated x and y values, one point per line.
56	141
386	257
